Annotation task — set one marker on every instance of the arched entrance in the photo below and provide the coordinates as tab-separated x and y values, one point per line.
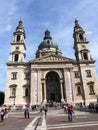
53	92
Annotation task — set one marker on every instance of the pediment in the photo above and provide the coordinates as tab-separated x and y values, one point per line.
52	58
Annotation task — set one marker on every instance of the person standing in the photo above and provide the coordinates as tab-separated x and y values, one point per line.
65	107
6	114
27	112
70	111
2	115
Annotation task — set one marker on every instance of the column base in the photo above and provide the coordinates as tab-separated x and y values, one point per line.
62	100
45	101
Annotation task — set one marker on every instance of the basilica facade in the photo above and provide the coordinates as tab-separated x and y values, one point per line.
50	76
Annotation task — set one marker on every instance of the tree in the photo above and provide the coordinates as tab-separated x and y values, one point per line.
1	98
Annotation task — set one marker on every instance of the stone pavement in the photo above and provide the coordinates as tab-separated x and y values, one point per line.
16	120
56	120
81	121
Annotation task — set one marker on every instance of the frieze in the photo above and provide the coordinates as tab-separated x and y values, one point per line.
52	58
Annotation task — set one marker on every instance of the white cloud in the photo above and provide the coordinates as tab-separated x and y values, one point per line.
89	32
94	50
12	10
2	67
6	28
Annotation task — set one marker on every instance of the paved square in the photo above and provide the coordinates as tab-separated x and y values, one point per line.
56	120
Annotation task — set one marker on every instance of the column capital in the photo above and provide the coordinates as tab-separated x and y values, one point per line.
61	80
43	80
70	68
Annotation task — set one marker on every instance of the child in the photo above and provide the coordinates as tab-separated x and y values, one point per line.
6	114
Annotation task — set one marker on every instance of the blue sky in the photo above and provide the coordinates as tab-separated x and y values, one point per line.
37	15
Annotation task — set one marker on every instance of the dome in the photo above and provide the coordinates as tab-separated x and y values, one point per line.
47	42
47	46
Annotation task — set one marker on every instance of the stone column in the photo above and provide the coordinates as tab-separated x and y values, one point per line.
44	90
32	88
70	87
61	86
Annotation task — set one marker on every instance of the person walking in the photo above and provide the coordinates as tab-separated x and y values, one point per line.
45	111
70	111
27	112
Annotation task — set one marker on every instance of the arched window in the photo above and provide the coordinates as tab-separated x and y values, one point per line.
13	92
16	57
85	56
91	88
81	37
78	89
18	38
26	92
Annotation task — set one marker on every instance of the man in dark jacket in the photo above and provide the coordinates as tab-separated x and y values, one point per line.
27	112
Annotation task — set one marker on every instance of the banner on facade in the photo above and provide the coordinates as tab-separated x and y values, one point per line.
35	87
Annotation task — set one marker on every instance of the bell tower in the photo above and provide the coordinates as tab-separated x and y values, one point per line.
85	65
16	67
18	44
82	52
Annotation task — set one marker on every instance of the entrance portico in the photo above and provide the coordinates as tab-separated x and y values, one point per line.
52	88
